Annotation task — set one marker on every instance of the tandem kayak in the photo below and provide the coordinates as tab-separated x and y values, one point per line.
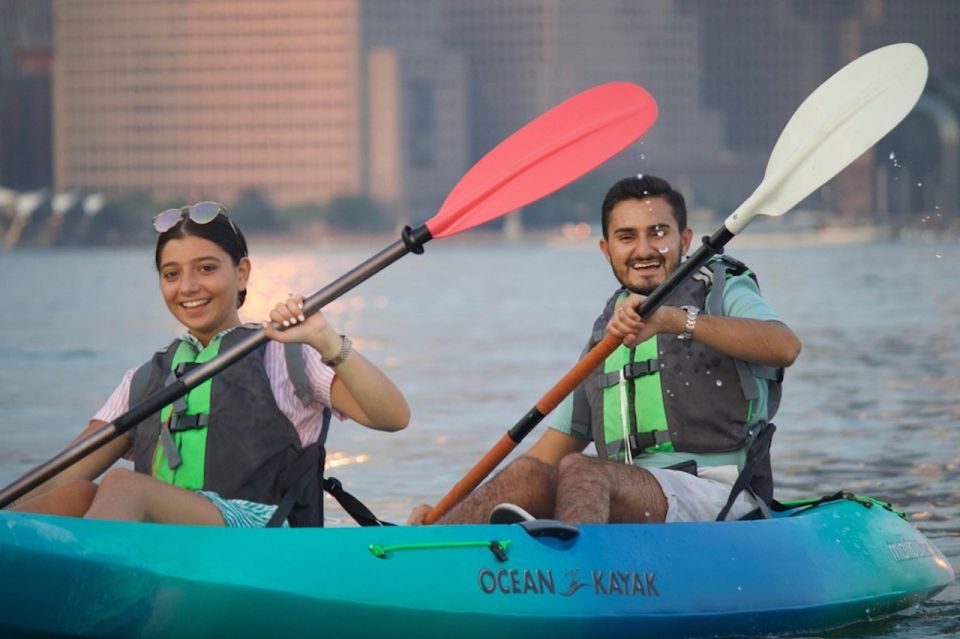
810	568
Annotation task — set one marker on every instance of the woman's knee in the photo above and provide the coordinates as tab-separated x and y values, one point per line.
119	479
80	490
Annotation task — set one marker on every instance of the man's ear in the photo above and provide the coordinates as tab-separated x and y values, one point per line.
685	238
605	249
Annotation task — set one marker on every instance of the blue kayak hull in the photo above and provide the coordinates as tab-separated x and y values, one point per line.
838	563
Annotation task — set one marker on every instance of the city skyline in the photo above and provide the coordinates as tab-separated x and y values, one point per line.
395	99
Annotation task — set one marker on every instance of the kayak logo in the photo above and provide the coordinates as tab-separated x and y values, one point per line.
514	581
907	549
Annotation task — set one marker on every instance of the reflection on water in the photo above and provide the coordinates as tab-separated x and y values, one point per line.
474	335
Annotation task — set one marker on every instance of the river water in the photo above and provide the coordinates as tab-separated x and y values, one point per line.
474	333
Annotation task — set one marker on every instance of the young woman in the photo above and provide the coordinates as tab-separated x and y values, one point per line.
246	441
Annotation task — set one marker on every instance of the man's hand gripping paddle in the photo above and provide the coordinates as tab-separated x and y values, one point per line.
838	122
548	153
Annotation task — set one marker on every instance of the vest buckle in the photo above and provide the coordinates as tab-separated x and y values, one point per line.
634	370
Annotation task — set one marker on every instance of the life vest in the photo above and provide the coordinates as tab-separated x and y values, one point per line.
227	435
670	395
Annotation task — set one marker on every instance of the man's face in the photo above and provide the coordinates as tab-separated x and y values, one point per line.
643	243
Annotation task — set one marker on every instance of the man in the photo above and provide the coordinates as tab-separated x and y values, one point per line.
677	407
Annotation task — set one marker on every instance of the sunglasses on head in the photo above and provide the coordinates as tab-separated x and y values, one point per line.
200	213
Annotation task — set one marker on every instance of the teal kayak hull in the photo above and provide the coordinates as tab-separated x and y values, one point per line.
838	563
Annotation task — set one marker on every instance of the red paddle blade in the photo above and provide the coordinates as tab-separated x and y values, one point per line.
548	153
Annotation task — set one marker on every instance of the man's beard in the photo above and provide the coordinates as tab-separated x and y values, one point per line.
645	290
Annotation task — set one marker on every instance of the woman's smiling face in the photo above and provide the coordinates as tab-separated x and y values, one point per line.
200	284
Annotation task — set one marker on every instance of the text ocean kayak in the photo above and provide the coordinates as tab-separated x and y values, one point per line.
807	569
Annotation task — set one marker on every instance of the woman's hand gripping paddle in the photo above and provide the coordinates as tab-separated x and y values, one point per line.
838	122
556	148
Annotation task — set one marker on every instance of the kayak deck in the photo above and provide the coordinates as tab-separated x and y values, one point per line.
837	563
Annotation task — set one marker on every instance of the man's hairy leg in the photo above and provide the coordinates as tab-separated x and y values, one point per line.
526	482
593	491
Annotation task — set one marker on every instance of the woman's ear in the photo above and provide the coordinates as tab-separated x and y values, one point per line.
243	272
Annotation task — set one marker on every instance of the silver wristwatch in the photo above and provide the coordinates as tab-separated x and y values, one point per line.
345	347
692	313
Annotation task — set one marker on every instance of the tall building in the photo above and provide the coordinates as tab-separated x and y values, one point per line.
414	105
205	98
763	58
26	48
525	56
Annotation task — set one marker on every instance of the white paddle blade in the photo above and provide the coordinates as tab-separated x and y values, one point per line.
836	124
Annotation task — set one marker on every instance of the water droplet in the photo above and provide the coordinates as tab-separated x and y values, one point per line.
719	382
643	156
664	249
740	588
919	183
646	514
893	156
936	207
939	257
639	176
686	383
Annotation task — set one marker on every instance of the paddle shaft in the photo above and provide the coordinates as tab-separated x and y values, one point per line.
412	240
711	246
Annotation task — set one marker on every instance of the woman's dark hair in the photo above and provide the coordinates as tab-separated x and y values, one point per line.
641	187
220	230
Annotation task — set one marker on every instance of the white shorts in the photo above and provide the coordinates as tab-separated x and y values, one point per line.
701	497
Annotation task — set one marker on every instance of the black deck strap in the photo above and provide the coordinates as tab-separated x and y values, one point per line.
498	550
550	528
353	506
759	447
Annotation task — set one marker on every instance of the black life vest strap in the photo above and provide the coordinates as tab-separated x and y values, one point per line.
314	459
758	450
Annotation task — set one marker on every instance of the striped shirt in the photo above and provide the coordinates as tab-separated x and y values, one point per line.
306	419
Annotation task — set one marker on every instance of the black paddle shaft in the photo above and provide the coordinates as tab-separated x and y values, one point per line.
712	245
411	241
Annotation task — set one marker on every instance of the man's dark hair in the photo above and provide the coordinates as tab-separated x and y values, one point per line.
641	187
220	230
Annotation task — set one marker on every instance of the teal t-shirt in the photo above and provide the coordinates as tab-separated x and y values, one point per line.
741	298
